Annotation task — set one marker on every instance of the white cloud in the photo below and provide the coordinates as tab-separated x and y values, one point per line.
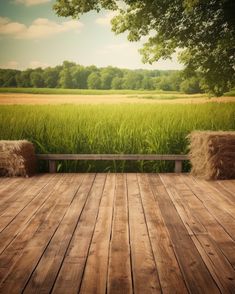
16	65
31	2
36	64
40	28
106	19
8	27
10	65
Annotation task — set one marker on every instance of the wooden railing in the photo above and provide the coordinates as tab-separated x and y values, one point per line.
53	158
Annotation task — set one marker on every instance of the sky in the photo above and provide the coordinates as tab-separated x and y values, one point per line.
32	35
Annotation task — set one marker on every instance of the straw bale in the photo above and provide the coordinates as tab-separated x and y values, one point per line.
17	158
212	154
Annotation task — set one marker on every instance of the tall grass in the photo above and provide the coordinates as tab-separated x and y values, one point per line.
117	128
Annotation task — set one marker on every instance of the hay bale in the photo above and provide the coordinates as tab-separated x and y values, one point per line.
17	158
212	154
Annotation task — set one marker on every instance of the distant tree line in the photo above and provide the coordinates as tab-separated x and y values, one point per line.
70	75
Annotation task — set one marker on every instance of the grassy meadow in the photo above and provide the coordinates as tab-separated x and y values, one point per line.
117	128
59	91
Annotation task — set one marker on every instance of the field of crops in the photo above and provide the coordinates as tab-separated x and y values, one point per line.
129	128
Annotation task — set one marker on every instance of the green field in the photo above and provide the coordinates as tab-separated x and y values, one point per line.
95	92
81	91
231	93
117	128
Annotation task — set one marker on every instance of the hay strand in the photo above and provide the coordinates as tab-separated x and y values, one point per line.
17	158
212	154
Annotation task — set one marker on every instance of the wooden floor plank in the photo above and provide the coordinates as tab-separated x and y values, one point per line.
70	276
22	269
95	275
174	187
217	203
43	277
21	219
22	193
213	227
229	185
119	272
224	192
208	263
175	190
168	268
8	186
12	246
11	186
196	274
221	266
144	270
25	198
117	233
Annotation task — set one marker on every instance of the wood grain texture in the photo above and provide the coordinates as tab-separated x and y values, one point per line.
71	273
145	275
95	274
168	268
119	271
197	275
117	233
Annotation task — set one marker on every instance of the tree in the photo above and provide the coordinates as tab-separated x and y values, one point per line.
147	83
164	84
66	81
107	74
36	78
94	81
8	77
191	86
51	77
79	77
23	78
117	83
132	80
203	30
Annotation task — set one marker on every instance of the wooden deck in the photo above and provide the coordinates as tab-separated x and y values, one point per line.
117	233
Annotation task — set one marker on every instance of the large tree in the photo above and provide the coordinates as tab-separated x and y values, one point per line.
201	31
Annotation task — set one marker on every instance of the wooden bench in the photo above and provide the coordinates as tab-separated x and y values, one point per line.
53	158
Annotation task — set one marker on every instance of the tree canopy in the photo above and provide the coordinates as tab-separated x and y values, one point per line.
202	32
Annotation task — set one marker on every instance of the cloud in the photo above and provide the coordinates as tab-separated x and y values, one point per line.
16	65
8	27
10	65
31	2
106	19
40	28
36	64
